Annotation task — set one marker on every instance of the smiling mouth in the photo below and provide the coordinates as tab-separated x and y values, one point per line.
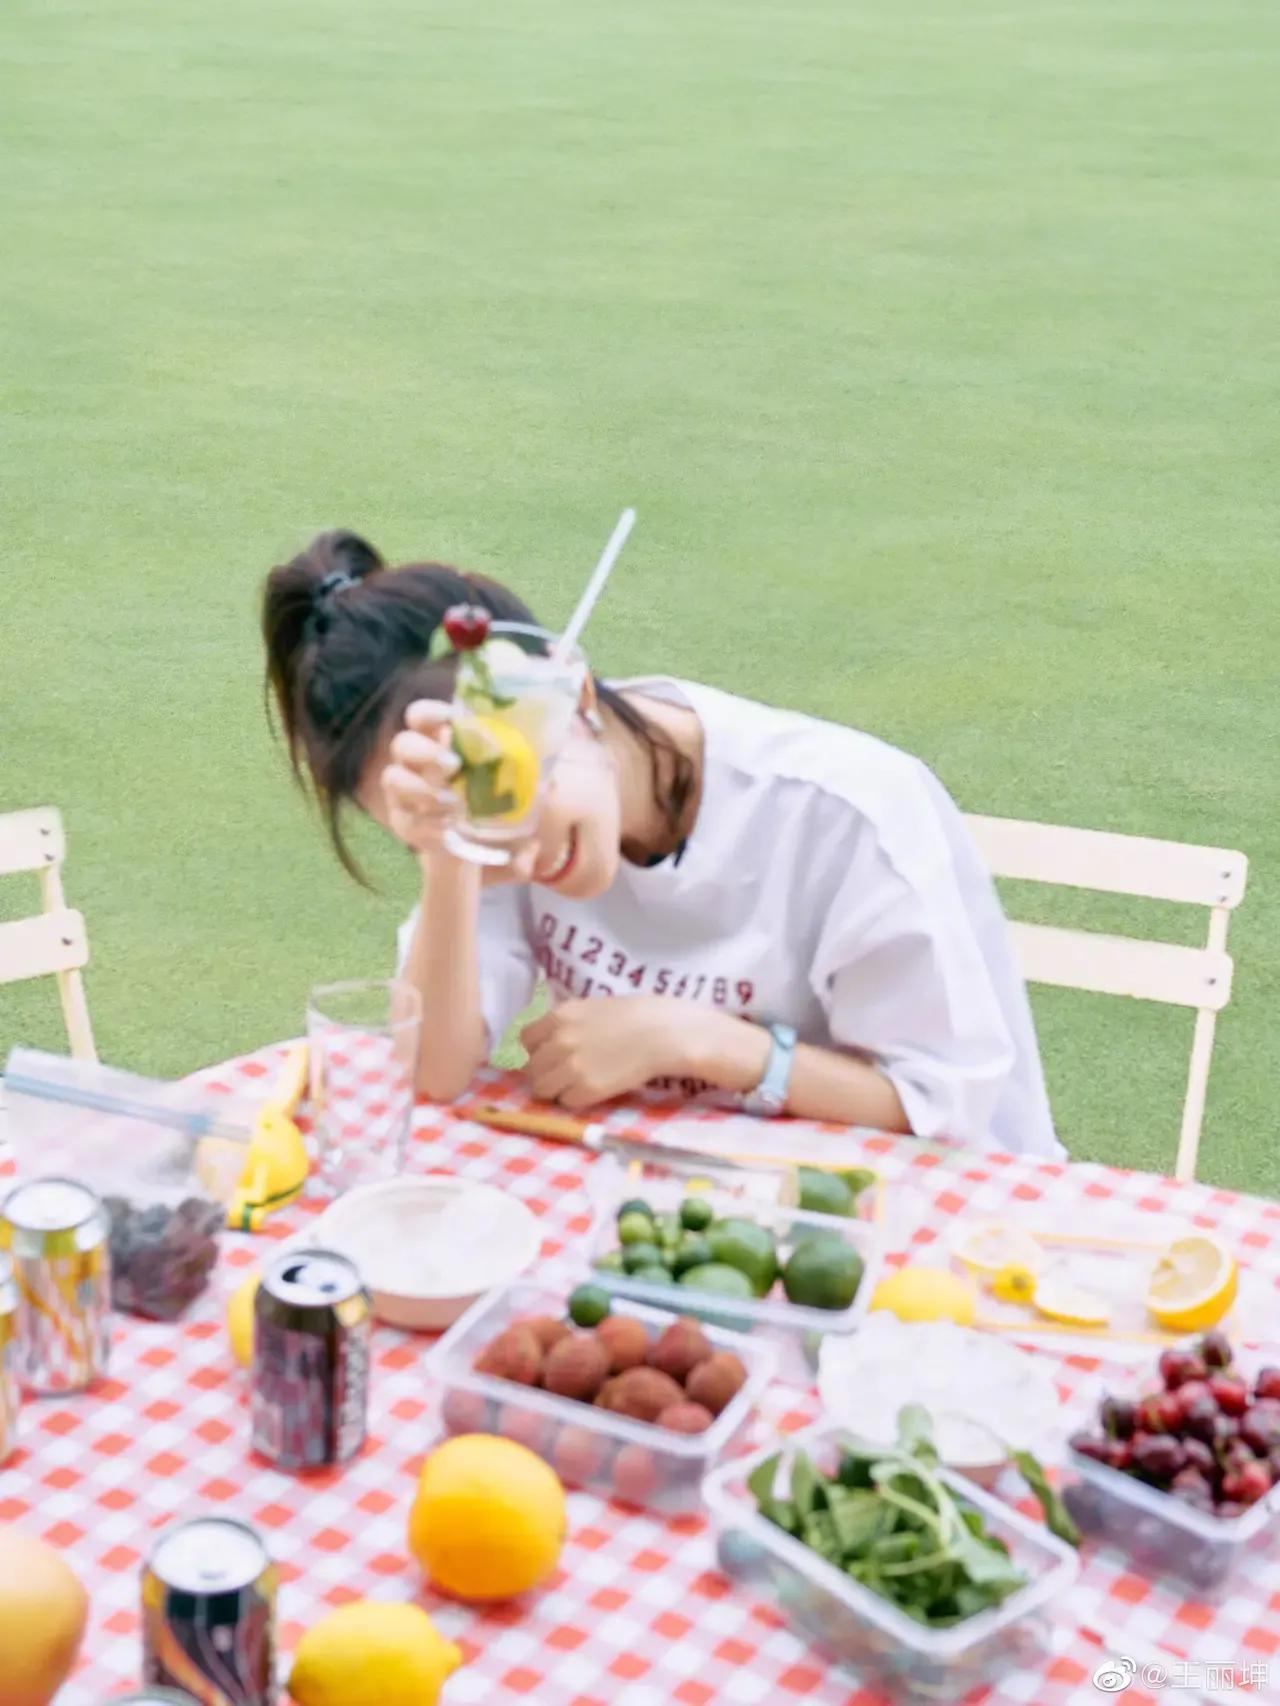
563	865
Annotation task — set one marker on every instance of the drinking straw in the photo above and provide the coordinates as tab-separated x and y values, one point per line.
595	586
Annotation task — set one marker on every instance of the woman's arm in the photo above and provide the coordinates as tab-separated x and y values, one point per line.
584	1052
732	1054
442	964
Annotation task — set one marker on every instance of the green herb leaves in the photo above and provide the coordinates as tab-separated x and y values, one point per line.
887	1520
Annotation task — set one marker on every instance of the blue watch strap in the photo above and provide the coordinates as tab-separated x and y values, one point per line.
770	1094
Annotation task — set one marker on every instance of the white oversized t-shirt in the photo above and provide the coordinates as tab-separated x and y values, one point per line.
829	883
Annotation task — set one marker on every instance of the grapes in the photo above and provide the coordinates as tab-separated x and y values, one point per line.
1117	1416
1177	1367
161	1257
1215	1350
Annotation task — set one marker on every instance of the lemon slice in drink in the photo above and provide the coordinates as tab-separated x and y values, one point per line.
988	1250
499	775
1059	1298
1193	1284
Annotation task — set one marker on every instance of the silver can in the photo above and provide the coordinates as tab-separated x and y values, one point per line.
209	1615
56	1232
10	1390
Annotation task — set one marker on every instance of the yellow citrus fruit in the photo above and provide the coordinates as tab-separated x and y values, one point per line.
369	1654
1193	1284
926	1294
240	1320
1059	1298
499	775
1014	1284
988	1250
42	1616
489	1518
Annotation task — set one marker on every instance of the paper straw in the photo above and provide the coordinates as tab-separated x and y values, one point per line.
595	586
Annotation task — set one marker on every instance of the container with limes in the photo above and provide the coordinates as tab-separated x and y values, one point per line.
748	1264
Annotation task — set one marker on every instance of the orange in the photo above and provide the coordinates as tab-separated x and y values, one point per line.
42	1616
489	1518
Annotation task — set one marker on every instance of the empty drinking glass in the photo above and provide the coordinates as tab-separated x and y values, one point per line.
363	1039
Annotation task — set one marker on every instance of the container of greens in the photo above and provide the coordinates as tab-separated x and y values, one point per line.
915	1578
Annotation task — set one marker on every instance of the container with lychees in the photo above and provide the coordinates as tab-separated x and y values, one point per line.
637	1407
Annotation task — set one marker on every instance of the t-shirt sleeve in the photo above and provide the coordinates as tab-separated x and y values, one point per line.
506	964
903	981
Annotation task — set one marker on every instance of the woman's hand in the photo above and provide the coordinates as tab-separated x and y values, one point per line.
583	1052
420	803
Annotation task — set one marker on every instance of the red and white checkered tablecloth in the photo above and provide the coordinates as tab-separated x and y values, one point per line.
636	1614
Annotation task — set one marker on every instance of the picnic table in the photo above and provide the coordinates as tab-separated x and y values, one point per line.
637	1613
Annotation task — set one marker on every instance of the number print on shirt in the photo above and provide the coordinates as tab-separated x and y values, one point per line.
561	957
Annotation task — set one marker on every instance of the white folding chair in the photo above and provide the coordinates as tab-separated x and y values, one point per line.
1124	965
53	942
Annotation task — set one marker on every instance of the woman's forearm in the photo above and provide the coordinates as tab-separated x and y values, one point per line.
732	1054
443	966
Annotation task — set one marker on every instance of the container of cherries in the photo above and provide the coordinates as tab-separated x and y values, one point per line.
1184	1476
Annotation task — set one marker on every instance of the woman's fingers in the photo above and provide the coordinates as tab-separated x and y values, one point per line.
419	752
428	716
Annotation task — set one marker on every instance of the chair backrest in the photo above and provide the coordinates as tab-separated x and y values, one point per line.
1124	965
53	941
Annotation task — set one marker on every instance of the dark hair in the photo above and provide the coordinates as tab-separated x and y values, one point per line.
347	643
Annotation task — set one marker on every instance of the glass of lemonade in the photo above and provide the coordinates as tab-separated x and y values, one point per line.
513	707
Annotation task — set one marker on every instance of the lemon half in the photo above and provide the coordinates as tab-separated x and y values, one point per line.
1059	1298
991	1249
1193	1284
926	1294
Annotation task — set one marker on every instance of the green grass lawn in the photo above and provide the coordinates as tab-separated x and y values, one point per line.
936	346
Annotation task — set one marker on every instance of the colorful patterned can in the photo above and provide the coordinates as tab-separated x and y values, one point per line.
55	1231
310	1361
209	1616
10	1390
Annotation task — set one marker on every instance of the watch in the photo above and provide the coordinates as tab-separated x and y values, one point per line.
770	1095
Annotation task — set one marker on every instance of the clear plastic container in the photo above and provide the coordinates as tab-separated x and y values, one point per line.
793	1327
165	1157
588	1447
859	1628
1160	1534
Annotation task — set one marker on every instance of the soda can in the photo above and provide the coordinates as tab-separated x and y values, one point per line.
310	1361
209	1615
10	1390
56	1231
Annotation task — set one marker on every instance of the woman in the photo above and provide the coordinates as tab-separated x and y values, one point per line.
786	911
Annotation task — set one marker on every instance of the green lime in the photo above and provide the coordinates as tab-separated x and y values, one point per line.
743	1245
859	1179
588	1305
634	1205
696	1213
636	1228
653	1275
668	1228
609	1263
822	1193
719	1278
822	1274
694	1252
641	1256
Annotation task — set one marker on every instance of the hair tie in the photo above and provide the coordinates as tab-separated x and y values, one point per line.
332	584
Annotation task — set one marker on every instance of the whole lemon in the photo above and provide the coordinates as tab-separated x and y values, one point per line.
926	1294
489	1518
240	1320
370	1654
42	1616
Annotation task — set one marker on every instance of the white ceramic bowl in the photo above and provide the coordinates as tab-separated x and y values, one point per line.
428	1247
